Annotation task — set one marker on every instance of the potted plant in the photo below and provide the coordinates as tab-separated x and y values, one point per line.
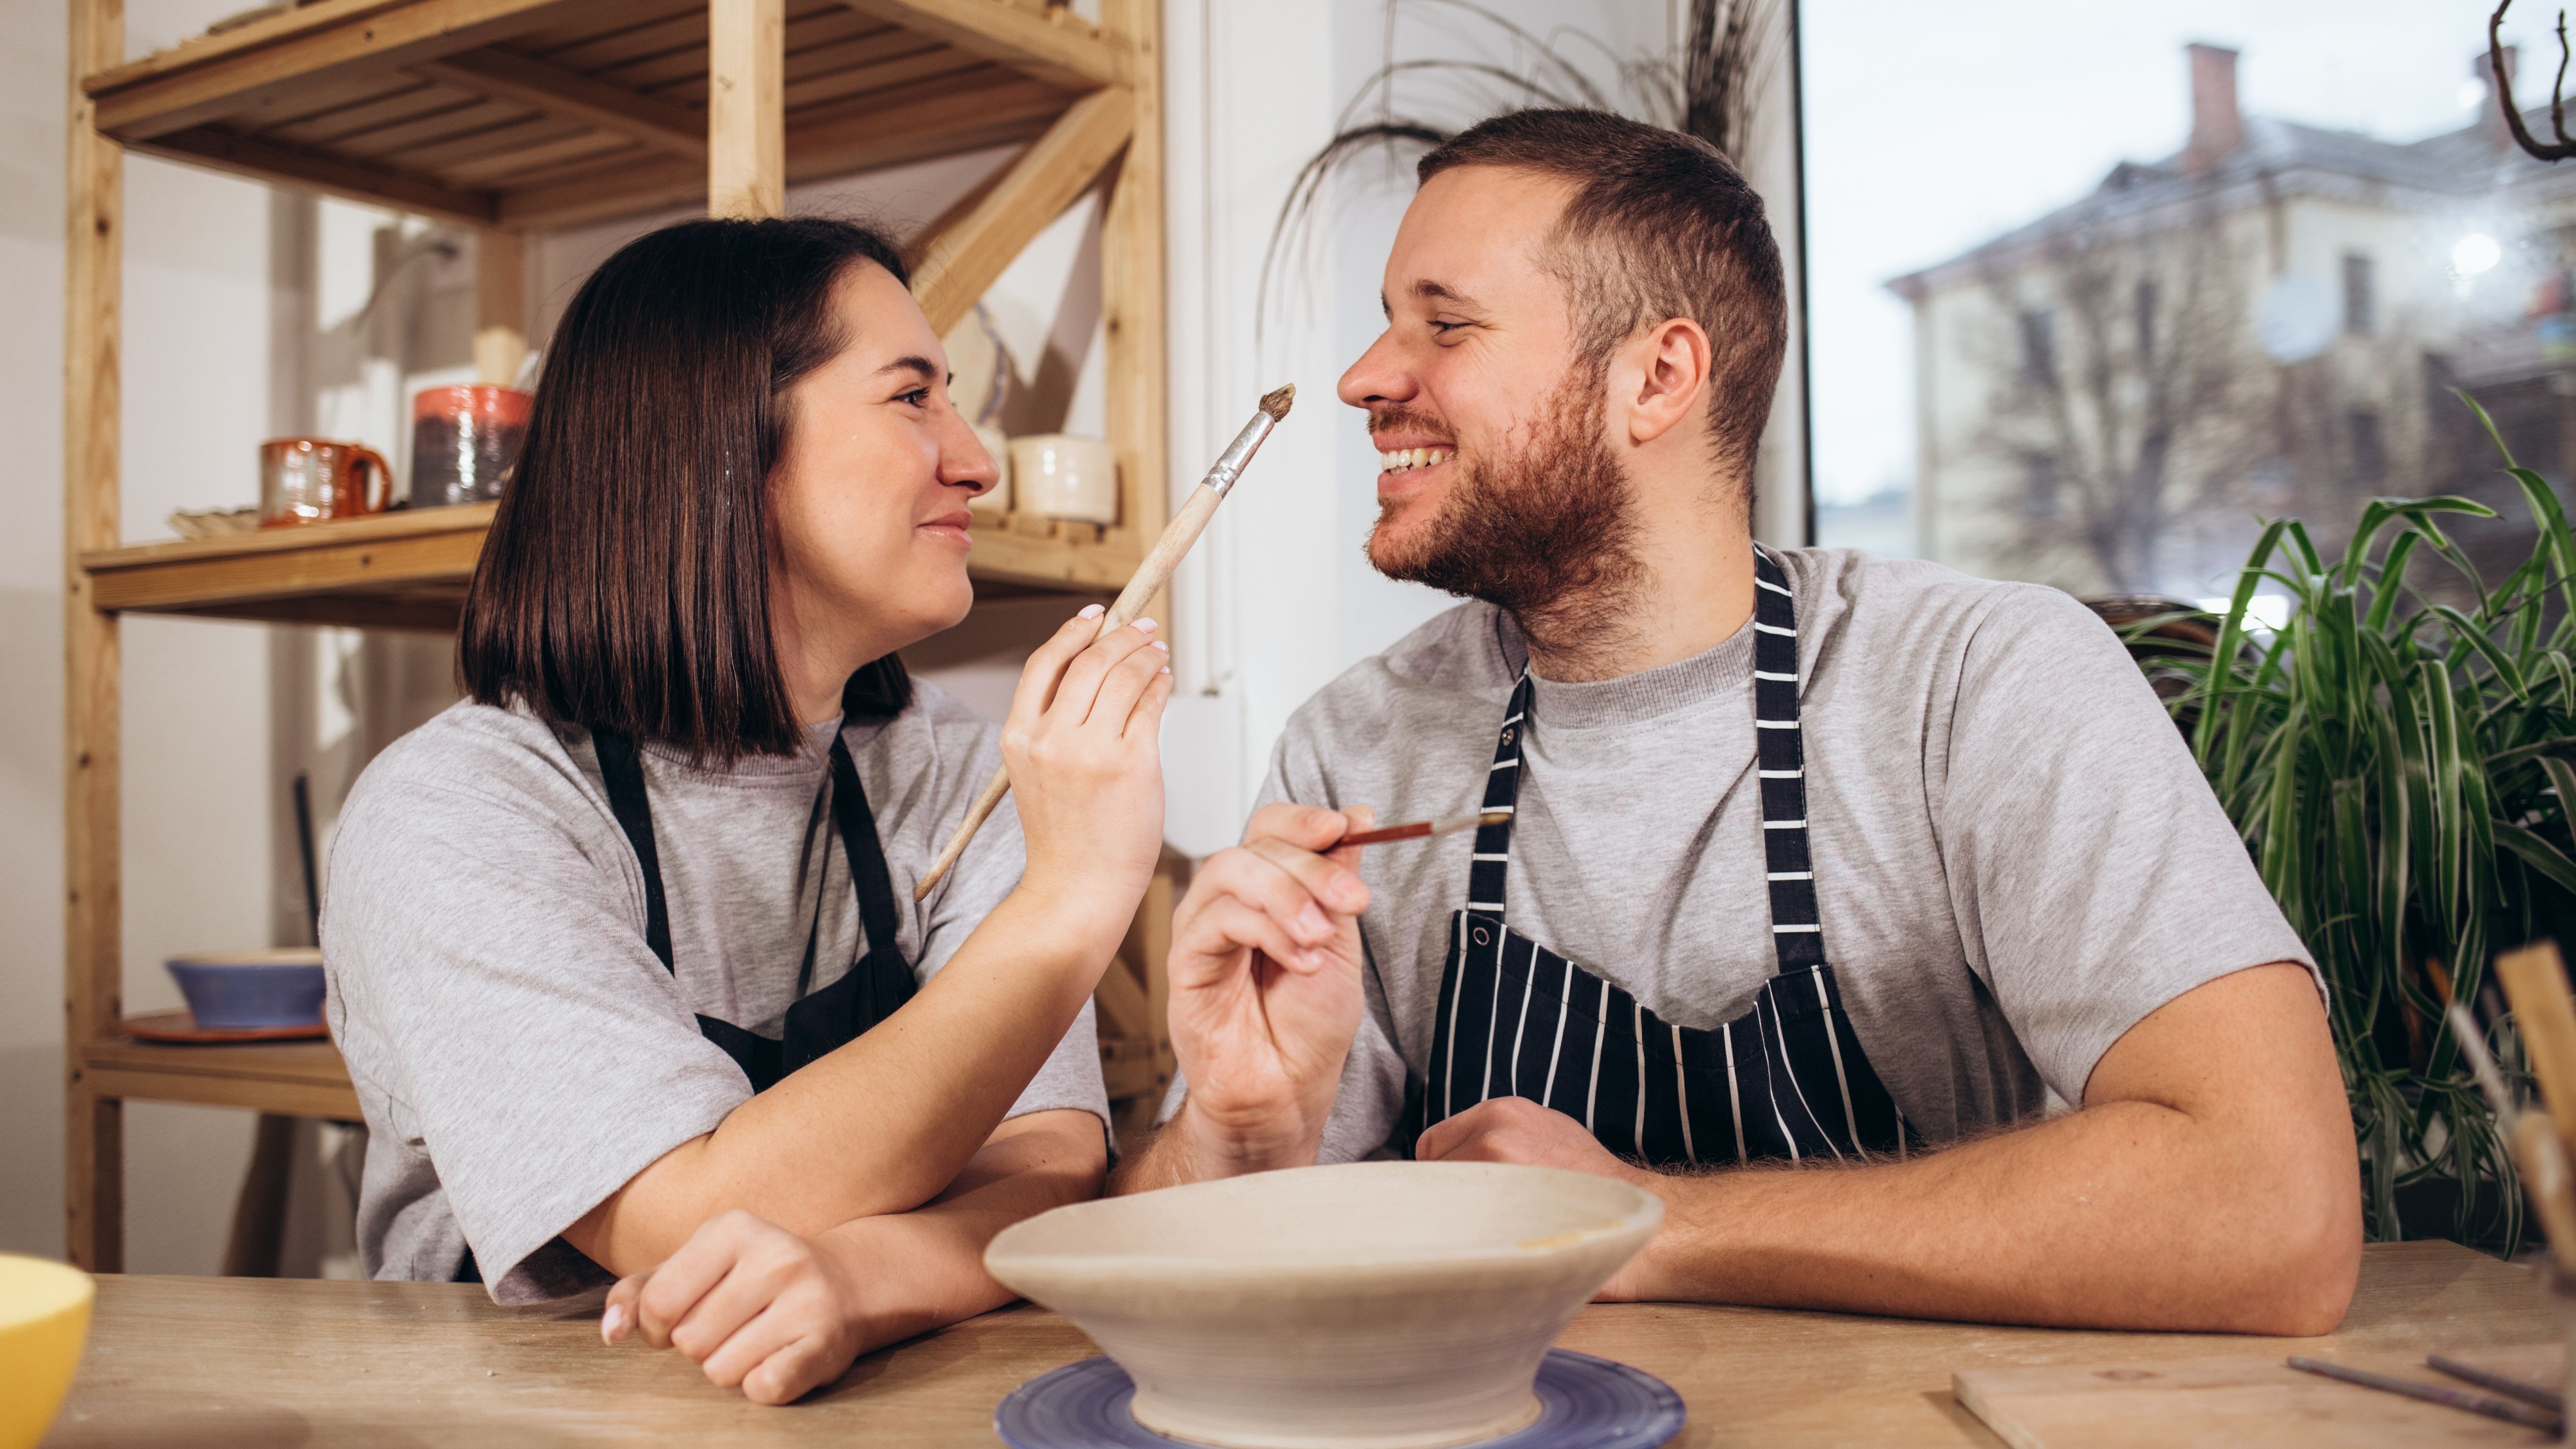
2402	770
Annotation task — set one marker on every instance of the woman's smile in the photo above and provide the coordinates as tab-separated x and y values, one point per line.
951	525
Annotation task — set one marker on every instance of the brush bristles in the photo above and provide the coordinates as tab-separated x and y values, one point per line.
1276	403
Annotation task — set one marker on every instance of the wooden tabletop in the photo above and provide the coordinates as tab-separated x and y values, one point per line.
241	1361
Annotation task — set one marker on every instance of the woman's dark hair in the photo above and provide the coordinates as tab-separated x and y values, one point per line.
625	581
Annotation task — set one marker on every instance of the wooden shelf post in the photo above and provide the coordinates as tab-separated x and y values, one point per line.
746	108
500	306
1131	287
93	948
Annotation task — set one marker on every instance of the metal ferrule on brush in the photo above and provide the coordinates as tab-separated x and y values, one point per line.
1229	464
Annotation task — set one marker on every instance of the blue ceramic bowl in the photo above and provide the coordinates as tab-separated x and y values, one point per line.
252	989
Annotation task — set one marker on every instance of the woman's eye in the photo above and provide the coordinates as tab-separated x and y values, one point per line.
919	397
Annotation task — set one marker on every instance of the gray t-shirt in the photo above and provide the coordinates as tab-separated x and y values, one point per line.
2015	857
517	1048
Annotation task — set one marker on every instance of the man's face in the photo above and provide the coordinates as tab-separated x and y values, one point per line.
1496	480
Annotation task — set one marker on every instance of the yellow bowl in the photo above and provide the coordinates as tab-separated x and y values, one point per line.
44	1319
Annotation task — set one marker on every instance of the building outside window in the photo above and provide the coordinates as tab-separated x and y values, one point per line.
2232	265
2357	300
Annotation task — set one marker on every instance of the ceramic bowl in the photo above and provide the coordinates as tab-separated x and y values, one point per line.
252	989
44	1319
1374	1305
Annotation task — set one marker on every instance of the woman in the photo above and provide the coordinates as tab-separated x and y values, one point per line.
623	952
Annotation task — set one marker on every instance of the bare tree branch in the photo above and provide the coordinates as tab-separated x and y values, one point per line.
2565	146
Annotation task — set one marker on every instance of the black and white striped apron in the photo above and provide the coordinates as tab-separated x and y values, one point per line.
1787	1079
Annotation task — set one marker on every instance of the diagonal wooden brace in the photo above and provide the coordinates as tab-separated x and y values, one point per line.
959	263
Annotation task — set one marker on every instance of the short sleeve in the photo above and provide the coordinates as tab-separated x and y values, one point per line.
2093	874
487	970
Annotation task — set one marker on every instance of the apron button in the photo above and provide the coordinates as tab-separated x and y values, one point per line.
1481	937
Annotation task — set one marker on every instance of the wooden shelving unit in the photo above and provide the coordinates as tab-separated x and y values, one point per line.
519	115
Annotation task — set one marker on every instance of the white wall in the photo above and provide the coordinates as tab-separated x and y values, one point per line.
31	631
196	807
1279	598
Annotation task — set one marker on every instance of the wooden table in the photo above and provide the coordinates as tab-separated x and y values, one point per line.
242	1361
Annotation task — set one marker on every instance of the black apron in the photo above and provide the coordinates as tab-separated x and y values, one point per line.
876	984
1785	1080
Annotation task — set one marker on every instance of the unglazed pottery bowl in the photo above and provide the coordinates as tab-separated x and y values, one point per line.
1374	1305
44	1320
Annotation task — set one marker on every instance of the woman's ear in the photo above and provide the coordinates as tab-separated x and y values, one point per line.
1672	367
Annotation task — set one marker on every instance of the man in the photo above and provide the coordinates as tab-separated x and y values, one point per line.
1810	861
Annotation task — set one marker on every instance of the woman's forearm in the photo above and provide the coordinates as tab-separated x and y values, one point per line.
931	1260
902	1109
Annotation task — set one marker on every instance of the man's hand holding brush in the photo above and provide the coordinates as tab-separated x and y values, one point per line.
1265	970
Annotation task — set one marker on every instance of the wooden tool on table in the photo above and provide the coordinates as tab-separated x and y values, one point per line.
2547	1398
2512	1411
1142	586
1424	829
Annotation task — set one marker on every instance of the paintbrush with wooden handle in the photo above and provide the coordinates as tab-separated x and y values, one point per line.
1423	829
1142	586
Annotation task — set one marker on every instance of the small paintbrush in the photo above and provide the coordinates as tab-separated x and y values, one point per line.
1142	586
1422	829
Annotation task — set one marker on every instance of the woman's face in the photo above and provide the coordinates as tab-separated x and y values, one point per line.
868	500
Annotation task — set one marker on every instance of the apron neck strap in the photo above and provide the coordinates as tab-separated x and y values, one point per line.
621	770
1797	937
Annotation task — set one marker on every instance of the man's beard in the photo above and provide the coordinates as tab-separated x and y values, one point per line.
1547	534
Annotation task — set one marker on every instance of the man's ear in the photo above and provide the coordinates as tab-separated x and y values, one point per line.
1671	362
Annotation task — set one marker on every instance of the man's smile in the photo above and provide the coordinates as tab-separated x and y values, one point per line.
1402	460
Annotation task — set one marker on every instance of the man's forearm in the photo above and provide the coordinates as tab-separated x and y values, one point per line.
1190	1148
2120	1216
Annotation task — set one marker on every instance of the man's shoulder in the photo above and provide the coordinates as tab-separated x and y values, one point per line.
1889	607
1454	657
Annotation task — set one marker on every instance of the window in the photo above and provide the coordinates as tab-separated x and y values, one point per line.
2038	345
2039	486
2208	286
2369	453
2357	299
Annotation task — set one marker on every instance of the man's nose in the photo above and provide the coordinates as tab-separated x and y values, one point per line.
1378	377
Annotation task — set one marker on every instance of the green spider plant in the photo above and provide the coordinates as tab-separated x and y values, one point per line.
2402	770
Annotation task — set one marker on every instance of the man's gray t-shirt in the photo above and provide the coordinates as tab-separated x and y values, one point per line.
2016	858
519	1051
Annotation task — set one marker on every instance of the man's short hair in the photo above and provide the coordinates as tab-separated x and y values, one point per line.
1660	226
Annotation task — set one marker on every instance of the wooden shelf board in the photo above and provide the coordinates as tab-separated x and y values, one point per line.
400	570
410	570
300	1078
540	113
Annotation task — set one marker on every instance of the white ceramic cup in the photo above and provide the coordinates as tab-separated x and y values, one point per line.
1061	476
1370	1305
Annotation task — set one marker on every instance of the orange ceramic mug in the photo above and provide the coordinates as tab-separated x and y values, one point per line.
313	480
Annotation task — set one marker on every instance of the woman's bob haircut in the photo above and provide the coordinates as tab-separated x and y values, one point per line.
625	581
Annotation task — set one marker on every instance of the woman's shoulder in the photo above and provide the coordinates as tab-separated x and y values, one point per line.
936	727
477	759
